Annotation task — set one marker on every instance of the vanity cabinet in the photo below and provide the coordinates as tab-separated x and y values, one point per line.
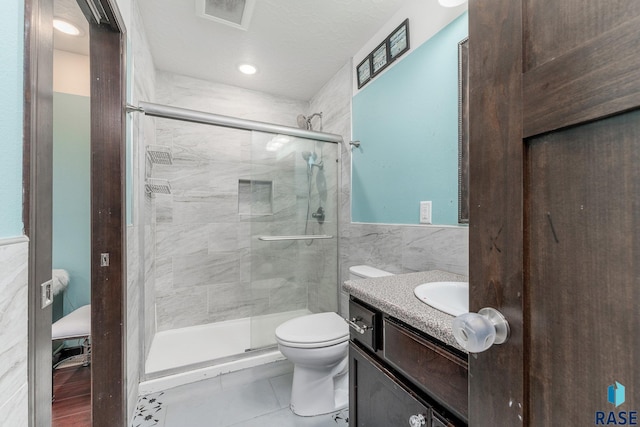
399	376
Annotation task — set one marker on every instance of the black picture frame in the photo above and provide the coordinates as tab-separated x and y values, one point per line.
379	58
399	41
394	46
363	71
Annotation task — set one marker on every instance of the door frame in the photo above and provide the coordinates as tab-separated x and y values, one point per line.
37	198
108	222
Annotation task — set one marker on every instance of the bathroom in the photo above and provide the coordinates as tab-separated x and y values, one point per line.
255	276
165	291
197	247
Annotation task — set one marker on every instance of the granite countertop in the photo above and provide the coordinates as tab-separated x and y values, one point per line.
394	296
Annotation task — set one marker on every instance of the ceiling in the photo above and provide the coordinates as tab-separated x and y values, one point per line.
70	11
297	45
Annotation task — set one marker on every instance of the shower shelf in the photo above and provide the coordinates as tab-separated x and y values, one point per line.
157	186
160	154
299	237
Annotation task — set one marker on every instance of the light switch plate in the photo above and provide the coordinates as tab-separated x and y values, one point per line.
425	212
47	296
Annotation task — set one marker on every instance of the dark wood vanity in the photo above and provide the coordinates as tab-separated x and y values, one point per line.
400	376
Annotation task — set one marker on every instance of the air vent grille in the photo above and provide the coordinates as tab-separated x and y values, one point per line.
235	13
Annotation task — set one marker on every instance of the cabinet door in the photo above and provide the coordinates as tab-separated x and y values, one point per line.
375	399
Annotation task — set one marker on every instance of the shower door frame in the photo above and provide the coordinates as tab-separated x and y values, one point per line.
201	117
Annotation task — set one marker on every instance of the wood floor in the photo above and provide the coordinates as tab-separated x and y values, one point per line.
72	390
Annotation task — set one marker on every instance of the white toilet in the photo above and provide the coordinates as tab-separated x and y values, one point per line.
317	345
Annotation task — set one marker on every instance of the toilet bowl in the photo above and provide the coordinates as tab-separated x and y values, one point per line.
317	345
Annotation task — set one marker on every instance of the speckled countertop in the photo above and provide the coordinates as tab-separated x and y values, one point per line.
394	296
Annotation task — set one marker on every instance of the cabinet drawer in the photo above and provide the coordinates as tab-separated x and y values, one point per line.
364	325
438	372
376	398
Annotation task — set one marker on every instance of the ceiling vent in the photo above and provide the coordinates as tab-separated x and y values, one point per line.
235	13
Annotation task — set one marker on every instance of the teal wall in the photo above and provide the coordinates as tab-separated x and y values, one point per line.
11	55
71	195
407	122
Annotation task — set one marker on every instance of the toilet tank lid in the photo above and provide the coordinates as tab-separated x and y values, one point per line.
368	271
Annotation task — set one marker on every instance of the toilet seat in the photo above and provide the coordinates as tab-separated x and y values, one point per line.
313	331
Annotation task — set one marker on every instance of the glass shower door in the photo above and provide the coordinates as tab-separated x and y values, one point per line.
292	193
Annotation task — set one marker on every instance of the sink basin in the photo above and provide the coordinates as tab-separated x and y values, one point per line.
450	297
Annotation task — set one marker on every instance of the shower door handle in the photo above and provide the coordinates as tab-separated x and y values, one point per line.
296	237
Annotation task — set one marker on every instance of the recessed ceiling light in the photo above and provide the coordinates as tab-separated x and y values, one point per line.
66	27
247	69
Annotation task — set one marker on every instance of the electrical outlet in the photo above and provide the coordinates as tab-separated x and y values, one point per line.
425	212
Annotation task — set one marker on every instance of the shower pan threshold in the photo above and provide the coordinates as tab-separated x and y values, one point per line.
185	355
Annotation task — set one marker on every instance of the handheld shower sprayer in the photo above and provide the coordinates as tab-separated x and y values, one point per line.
310	159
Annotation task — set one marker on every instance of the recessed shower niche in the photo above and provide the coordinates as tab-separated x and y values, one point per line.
255	197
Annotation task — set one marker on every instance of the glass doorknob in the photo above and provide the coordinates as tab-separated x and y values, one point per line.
477	332
417	420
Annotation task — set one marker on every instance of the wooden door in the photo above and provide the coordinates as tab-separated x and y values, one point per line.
554	207
108	223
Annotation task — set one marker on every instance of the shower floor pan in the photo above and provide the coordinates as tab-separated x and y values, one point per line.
184	355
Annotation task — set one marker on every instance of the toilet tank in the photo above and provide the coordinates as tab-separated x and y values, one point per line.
366	272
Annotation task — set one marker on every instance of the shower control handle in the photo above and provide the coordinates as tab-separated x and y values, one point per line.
359	329
319	215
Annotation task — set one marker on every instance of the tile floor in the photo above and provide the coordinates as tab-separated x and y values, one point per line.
252	397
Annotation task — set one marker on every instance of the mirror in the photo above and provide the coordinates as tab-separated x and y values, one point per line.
463	131
407	122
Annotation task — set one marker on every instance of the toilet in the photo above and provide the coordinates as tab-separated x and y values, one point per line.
317	345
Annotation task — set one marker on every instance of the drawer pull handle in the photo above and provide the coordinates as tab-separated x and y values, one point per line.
359	329
417	420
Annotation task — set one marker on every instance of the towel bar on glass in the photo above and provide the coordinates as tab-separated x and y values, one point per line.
299	237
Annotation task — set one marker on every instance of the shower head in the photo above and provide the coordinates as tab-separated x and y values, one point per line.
303	122
306	155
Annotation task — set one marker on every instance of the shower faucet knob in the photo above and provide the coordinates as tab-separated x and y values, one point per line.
319	215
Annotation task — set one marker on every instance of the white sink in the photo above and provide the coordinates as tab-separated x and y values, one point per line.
450	297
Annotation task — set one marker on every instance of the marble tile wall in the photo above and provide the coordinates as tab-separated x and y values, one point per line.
14	255
140	265
208	258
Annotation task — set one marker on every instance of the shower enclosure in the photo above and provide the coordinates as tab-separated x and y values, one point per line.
245	239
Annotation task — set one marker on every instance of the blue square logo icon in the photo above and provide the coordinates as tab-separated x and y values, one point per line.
615	394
